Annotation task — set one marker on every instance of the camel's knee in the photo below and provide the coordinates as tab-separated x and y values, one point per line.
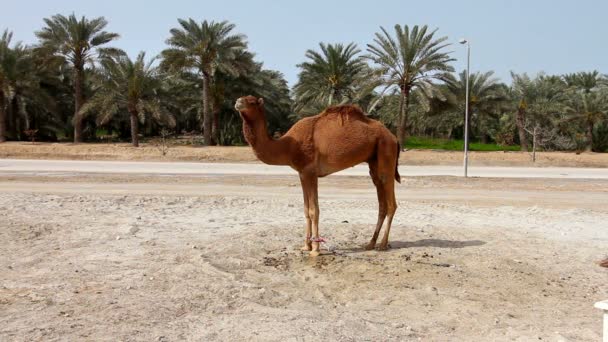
376	181
382	210
391	208
307	213
312	213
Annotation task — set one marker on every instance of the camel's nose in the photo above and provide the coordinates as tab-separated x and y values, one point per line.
239	104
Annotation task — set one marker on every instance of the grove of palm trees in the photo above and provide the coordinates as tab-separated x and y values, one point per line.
74	86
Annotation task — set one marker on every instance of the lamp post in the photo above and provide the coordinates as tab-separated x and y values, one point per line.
466	110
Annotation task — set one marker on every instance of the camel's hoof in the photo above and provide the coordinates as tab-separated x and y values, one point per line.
306	248
370	246
384	247
314	253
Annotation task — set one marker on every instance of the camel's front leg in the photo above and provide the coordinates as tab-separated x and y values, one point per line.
310	186
308	228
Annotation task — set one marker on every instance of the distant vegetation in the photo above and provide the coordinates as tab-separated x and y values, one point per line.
72	85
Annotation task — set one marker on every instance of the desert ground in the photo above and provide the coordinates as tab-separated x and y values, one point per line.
169	257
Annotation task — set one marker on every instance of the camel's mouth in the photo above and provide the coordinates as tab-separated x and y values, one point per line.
239	105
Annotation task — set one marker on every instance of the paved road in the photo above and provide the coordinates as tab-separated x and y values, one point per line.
69	166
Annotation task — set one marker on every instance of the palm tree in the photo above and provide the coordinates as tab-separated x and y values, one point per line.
486	95
538	100
333	75
79	42
21	93
410	60
585	81
522	89
203	48
8	61
590	108
243	64
128	86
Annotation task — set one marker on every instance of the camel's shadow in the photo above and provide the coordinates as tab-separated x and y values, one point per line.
439	243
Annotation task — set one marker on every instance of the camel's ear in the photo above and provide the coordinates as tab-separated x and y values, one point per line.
261	101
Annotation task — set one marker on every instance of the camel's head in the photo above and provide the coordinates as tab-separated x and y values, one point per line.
250	107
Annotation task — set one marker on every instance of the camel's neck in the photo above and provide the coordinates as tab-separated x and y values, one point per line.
269	151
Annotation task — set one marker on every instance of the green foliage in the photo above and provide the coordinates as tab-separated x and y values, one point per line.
600	137
124	86
406	80
26	83
453	145
335	75
78	41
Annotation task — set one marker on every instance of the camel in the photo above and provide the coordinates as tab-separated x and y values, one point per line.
338	138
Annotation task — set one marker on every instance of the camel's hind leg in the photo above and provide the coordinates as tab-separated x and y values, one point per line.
391	204
387	163
373	172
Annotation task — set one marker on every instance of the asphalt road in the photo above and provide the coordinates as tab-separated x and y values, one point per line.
22	166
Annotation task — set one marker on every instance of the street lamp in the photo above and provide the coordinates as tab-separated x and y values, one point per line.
466	109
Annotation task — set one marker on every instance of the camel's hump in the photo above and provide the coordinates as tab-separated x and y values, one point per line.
349	110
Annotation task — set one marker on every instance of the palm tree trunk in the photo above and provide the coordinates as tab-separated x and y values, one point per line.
519	121
215	112
403	111
589	137
2	119
78	101
134	129
216	123
10	122
207	117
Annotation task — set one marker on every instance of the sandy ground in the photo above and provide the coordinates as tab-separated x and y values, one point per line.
150	152
168	258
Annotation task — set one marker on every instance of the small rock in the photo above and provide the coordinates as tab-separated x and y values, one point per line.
431	289
118	237
133	230
345	221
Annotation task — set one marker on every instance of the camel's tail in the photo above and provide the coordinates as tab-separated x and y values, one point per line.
397	176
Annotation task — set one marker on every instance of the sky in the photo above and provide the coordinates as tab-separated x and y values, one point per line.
522	36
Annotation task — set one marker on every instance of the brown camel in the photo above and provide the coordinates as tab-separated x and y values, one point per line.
338	138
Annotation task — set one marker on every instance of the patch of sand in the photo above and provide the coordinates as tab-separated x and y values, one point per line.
164	263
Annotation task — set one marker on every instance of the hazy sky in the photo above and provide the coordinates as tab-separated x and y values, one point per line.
524	36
